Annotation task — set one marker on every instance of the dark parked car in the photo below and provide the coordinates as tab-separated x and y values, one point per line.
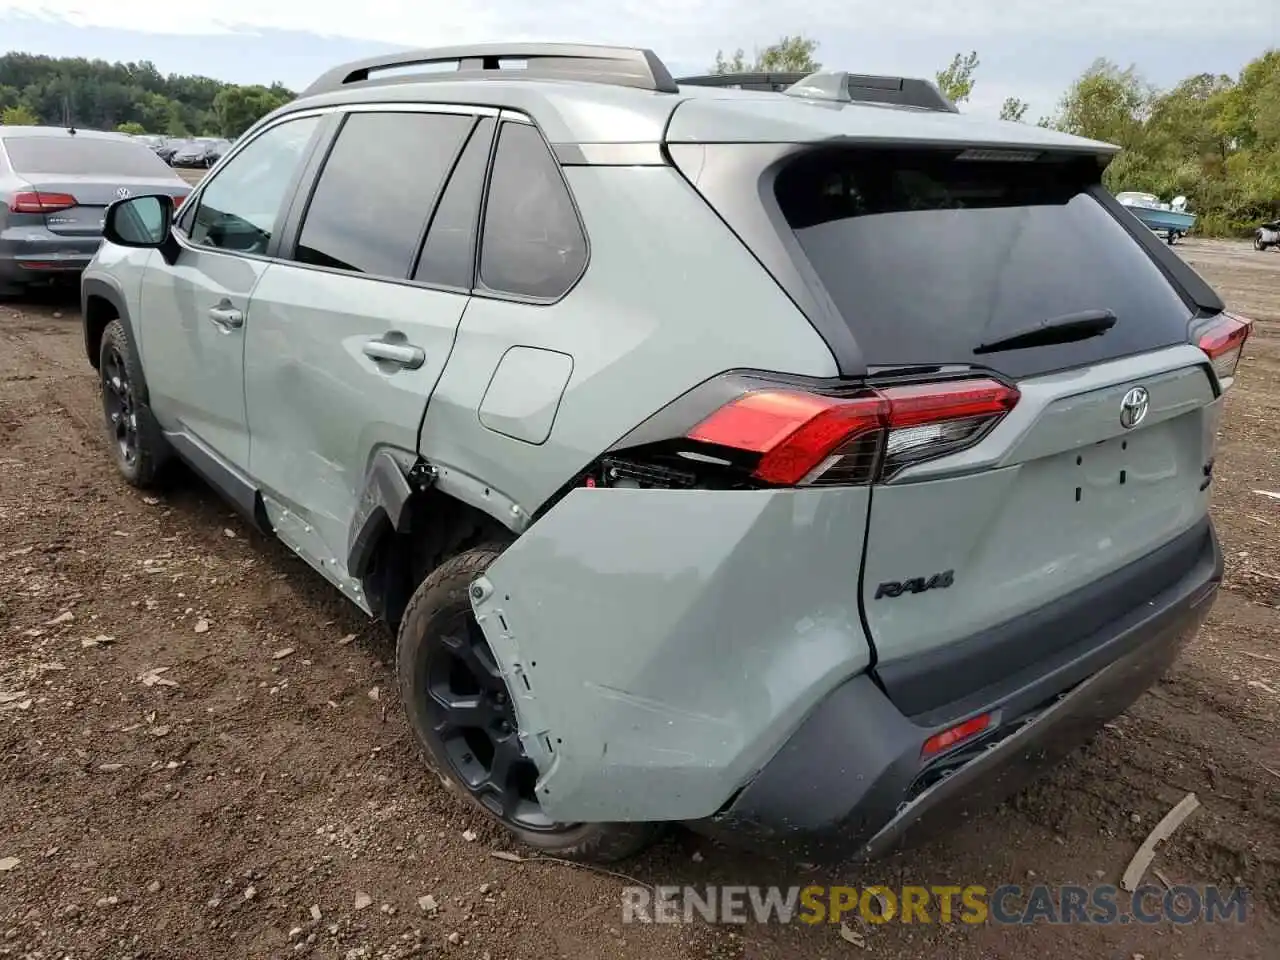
55	185
200	152
152	140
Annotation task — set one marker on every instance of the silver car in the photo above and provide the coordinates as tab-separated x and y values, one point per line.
55	186
696	481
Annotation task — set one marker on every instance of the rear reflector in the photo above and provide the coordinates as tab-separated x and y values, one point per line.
33	201
955	735
806	438
1224	343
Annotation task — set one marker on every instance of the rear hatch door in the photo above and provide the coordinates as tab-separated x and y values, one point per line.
1016	269
942	260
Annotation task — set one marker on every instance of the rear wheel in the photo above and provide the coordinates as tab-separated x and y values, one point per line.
462	716
137	448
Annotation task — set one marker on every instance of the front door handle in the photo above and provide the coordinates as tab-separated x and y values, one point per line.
228	318
402	354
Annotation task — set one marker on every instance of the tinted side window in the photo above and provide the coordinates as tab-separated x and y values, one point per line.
448	257
377	190
237	210
533	243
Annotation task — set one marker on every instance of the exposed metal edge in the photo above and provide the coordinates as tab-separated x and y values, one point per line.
609	154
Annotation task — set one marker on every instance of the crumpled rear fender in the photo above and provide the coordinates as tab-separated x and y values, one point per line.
661	645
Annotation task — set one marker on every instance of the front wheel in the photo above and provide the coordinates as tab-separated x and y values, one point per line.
1258	243
137	448
461	713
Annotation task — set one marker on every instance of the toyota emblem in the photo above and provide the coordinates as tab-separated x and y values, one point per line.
1134	406
122	193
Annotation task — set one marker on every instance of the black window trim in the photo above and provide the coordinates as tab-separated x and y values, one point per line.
478	288
319	136
478	223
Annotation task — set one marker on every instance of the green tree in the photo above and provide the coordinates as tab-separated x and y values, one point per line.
1013	109
18	116
956	80
789	54
131	127
1106	103
99	95
236	109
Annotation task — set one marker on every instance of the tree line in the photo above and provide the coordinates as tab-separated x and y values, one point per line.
132	97
1212	138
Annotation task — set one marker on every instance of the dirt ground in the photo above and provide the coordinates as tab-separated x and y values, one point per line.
201	754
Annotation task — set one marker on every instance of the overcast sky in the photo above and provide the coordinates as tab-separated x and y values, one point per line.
1028	49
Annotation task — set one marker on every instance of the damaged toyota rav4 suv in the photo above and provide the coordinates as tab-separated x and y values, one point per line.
794	461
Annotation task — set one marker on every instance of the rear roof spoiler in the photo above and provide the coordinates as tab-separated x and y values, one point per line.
837	86
621	66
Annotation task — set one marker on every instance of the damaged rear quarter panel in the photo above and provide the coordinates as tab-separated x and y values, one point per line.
662	644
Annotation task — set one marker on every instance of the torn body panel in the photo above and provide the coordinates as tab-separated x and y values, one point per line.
662	644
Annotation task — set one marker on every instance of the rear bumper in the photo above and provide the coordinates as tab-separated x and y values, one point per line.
31	257
850	781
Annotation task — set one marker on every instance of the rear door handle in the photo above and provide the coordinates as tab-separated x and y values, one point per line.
403	354
228	318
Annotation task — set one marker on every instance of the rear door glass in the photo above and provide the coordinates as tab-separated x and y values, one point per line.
927	256
83	155
377	190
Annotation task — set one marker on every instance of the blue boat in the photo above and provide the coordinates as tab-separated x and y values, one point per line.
1171	219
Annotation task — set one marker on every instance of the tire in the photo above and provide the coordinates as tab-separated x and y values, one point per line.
439	630
138	449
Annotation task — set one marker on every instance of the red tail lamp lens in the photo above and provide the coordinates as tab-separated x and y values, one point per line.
801	436
1224	343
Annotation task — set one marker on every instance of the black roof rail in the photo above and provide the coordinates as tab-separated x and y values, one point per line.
842	87
777	82
622	66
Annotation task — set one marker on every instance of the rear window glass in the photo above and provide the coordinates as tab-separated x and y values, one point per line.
83	155
927	256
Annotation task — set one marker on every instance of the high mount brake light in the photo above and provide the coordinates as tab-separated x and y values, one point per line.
34	201
1224	343
807	438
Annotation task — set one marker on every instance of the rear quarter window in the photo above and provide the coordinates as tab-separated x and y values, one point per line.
927	256
83	156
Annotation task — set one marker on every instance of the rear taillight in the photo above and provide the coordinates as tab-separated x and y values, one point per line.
1224	343
808	438
34	201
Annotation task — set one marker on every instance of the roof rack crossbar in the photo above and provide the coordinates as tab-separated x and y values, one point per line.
836	86
621	66
775	81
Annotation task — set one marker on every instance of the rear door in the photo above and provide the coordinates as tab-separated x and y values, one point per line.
77	177
351	334
945	266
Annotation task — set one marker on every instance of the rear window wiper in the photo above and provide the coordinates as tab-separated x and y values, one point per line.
1064	329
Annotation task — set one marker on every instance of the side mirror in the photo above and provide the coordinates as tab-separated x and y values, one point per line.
139	221
143	222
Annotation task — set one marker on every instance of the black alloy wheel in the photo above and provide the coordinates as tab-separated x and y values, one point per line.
118	405
468	709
